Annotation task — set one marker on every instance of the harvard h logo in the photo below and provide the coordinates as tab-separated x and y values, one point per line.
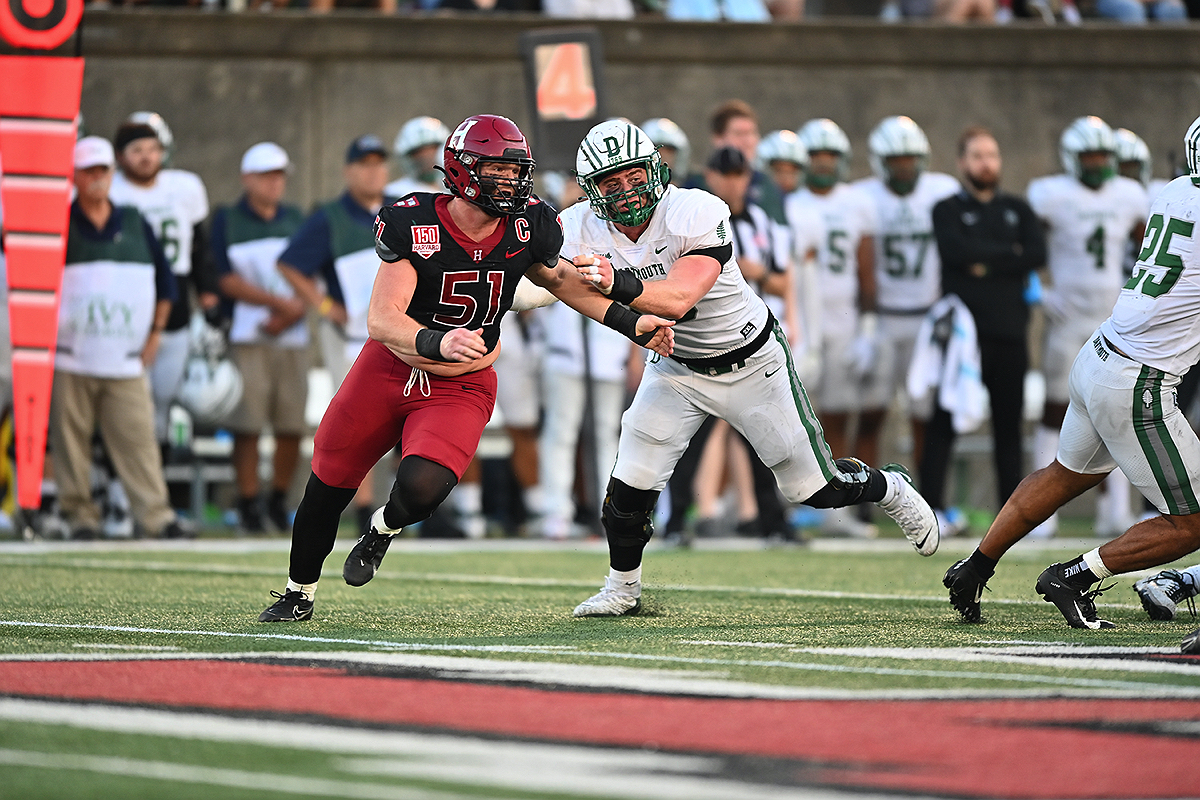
425	240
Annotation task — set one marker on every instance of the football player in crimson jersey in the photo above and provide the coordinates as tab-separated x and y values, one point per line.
451	267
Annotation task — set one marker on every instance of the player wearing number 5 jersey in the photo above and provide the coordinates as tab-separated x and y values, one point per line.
1090	214
451	267
1123	413
669	251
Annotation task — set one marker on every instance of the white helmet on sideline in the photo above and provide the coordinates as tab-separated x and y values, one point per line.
419	132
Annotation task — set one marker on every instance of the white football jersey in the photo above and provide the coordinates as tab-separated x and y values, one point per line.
1156	186
173	206
908	271
1085	240
848	215
1156	319
729	316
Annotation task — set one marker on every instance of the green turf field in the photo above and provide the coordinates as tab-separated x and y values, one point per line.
829	615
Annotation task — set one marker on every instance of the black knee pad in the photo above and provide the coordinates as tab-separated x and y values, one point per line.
421	486
846	488
626	514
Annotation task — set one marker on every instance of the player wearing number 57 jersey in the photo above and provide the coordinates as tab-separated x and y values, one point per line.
451	266
668	251
1123	413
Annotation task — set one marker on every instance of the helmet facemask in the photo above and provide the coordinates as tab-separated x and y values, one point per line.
639	201
899	178
484	190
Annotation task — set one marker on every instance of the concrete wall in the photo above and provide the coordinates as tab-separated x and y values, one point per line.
224	82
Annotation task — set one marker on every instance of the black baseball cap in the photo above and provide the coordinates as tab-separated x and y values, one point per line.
728	161
363	146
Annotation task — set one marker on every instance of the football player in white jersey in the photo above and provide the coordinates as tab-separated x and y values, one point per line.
1122	414
1090	214
418	148
907	267
650	245
174	202
783	156
846	280
1134	161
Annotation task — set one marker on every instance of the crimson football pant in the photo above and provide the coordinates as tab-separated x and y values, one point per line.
420	487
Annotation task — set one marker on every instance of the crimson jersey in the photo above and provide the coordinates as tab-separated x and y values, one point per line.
462	283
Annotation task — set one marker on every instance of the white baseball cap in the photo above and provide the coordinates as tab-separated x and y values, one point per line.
265	157
94	151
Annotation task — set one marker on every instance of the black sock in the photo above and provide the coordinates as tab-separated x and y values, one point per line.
624	559
1076	573
364	517
986	567
315	528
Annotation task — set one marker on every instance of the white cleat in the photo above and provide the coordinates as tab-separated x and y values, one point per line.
614	600
910	511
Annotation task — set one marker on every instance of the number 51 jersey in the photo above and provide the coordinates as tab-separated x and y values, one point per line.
462	283
1156	320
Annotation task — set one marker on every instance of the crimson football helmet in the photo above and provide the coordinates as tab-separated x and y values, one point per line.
482	139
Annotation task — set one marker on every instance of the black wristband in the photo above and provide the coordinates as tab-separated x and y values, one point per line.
626	286
429	344
624	321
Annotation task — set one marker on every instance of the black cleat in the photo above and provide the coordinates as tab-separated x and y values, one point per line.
966	588
1076	605
290	607
364	560
1191	643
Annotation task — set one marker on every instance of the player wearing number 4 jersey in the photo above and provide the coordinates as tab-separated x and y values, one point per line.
1123	413
451	268
668	251
1090	214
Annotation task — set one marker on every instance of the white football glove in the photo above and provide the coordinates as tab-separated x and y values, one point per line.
865	349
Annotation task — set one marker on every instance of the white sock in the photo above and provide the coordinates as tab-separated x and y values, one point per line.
468	498
626	580
1045	446
378	523
306	589
1096	564
893	488
531	496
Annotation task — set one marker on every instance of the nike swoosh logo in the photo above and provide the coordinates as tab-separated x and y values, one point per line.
772	372
1079	613
658	250
978	593
510	255
921	544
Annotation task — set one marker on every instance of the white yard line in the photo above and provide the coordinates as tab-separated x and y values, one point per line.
1061	682
509	766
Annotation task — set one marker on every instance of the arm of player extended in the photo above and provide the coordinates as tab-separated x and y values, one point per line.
689	279
563	282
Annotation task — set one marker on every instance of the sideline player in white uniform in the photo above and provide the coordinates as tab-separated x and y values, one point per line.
846	281
908	271
418	149
174	202
673	146
652	245
1090	214
1123	414
783	156
1134	161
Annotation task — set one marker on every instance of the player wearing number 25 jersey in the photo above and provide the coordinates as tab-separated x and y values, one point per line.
451	266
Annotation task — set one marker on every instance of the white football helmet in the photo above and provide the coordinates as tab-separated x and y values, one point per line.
665	133
419	132
826	135
161	130
211	390
1088	135
782	145
1131	148
896	136
1191	151
616	145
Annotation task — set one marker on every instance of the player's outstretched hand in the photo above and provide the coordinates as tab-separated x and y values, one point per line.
461	344
596	270
663	341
